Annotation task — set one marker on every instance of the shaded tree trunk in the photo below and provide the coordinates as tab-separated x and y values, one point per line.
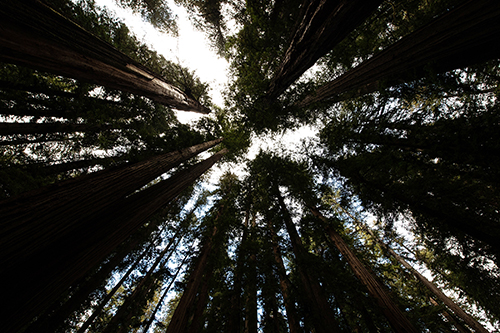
40	217
463	36
324	24
160	302
285	284
394	315
129	308
477	327
36	36
48	128
321	313
179	321
76	254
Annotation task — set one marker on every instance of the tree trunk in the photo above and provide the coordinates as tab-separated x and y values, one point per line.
285	284
33	220
55	317
49	128
463	36
160	302
36	36
179	322
322	315
120	320
477	327
450	318
394	315
76	254
324	24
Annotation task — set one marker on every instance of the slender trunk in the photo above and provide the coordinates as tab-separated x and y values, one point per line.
234	321
324	24
36	36
322	315
38	218
394	315
285	284
55	317
179	321
463	36
78	253
477	327
160	302
49	128
450	318
120	320
251	316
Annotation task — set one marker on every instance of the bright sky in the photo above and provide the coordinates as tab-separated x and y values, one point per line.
190	49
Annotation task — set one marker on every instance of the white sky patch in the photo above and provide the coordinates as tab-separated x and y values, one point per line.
190	49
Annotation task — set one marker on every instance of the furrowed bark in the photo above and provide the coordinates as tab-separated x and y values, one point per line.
324	24
464	36
321	312
35	219
394	315
78	253
34	35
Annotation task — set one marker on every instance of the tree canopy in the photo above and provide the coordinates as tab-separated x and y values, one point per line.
384	219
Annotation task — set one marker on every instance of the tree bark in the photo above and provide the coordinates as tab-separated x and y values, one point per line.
42	280
394	315
120	320
323	317
285	284
48	128
35	219
160	302
324	24
179	322
477	327
463	36
36	36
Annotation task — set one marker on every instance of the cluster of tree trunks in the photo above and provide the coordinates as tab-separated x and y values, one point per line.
463	36
34	35
323	25
85	244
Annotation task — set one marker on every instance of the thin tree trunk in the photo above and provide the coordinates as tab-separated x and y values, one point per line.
450	318
57	316
160	302
463	36
285	284
36	36
73	256
477	327
324	24
33	220
179	321
322	315
128	309
251	316
49	128
394	315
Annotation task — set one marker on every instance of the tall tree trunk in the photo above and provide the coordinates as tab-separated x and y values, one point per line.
394	315
179	321
463	36
120	320
324	24
450	318
36	36
285	284
54	317
234	320
48	273
477	327
33	220
322	315
160	302
251	308
48	128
